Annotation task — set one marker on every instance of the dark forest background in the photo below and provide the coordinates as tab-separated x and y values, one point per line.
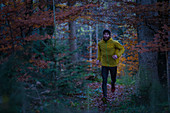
48	51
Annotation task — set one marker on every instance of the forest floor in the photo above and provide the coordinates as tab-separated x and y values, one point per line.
91	99
115	100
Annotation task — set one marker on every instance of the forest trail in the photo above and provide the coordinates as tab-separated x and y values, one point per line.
117	99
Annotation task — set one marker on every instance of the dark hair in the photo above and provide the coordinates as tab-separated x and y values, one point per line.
106	30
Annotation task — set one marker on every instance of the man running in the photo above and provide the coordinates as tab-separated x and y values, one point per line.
109	52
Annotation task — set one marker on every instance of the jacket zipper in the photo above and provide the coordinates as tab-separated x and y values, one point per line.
107	55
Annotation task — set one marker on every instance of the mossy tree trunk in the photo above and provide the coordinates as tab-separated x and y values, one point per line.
153	71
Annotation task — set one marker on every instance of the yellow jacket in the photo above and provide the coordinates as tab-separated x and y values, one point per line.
107	49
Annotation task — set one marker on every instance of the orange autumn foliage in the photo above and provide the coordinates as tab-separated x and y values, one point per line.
20	20
131	59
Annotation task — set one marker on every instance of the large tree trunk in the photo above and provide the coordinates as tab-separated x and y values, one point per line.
148	76
168	72
149	63
164	57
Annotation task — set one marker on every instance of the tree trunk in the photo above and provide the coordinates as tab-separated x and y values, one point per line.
97	37
72	41
54	21
164	57
148	63
90	34
148	78
168	71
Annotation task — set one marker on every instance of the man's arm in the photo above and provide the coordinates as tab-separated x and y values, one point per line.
99	53
120	47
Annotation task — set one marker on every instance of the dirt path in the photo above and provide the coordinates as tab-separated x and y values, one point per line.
121	94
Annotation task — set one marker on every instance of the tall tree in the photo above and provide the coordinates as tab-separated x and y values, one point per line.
168	72
152	76
72	36
90	35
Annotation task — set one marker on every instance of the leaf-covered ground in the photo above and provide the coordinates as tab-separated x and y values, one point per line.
115	100
91	99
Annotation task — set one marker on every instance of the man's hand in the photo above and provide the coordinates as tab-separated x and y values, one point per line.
97	62
114	57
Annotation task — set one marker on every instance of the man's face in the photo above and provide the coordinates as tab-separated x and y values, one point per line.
106	35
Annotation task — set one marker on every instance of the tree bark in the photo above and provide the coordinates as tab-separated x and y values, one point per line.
148	63
90	34
164	57
72	41
168	71
97	37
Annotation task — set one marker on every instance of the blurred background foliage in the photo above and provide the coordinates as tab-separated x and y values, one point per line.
48	53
